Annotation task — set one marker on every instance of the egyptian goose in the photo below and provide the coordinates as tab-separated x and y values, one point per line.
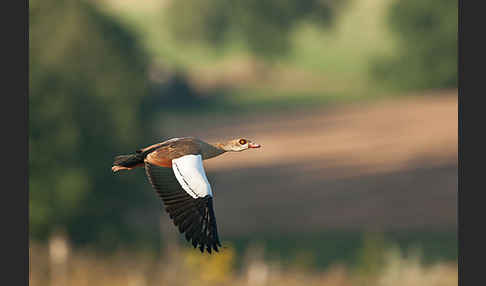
175	170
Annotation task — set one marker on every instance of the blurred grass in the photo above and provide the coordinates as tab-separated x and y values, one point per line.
254	101
379	263
345	49
345	247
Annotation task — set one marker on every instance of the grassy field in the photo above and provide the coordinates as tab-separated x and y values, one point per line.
322	63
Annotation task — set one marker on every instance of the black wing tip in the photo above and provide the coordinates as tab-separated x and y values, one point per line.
203	233
206	248
209	248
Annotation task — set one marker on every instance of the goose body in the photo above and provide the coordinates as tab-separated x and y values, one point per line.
175	170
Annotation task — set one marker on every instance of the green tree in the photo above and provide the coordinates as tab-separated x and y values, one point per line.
264	26
427	45
87	79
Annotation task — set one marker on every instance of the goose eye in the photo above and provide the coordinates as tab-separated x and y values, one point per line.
242	141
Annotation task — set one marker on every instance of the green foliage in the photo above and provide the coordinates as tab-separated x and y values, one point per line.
87	77
427	38
264	26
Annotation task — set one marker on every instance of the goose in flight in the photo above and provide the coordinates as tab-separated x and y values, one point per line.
175	170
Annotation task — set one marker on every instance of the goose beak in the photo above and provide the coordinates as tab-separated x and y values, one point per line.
253	145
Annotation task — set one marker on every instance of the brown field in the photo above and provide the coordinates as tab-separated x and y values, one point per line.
388	165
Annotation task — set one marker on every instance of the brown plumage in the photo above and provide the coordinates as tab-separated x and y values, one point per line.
183	186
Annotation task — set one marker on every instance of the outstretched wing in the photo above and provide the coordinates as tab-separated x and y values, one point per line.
187	197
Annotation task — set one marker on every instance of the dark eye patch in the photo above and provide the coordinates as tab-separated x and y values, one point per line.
242	141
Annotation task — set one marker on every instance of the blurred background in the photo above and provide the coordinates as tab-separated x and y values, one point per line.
354	103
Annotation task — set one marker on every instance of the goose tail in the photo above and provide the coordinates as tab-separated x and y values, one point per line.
127	162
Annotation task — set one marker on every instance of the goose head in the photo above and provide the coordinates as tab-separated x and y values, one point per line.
239	144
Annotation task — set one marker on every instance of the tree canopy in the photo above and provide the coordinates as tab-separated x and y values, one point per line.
87	79
427	45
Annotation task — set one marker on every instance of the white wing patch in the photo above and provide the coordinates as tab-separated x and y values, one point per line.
189	171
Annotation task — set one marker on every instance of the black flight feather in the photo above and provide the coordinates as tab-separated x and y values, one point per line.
194	217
